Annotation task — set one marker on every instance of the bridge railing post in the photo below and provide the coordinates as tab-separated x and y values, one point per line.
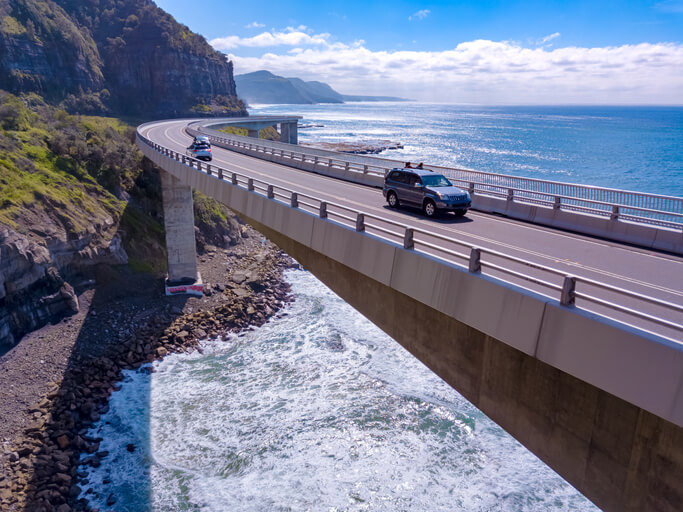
615	213
346	166
475	260
557	204
329	163
220	173
365	169
360	222
270	193
315	160
250	184
234	178
409	238
470	188
208	169
511	195
323	210
567	298
294	202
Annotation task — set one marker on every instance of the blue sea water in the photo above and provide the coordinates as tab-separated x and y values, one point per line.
319	410
632	148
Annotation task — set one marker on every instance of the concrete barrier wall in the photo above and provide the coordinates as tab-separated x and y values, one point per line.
599	402
643	235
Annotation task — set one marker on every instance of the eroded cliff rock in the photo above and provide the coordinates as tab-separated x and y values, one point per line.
122	56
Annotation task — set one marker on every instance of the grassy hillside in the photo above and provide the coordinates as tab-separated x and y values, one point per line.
70	175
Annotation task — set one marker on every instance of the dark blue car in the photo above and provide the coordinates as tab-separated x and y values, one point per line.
425	189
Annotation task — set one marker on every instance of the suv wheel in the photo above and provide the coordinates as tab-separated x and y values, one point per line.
392	199
429	208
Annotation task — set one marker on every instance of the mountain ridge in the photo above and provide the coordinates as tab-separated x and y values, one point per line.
265	87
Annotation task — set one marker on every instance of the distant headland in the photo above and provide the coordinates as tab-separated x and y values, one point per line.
265	87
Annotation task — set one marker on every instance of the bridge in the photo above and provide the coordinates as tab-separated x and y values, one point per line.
289	131
572	343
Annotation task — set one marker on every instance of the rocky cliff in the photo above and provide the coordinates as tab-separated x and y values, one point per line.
122	56
76	194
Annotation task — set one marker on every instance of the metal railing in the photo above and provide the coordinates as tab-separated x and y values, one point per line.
550	282
651	209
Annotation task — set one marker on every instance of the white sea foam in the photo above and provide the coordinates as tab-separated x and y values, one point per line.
317	410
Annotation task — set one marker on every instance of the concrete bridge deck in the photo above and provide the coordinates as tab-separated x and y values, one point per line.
601	402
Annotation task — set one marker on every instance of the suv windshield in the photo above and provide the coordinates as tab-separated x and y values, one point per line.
435	180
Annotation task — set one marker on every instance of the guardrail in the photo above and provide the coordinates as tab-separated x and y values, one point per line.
569	290
614	204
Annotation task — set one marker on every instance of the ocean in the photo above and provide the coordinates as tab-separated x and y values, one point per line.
632	148
318	410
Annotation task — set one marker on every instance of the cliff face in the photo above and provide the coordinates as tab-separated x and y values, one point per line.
75	194
124	56
43	51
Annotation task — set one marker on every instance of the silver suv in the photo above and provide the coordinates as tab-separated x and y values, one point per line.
200	149
430	191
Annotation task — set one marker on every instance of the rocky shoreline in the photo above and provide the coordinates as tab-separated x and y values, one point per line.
121	326
361	147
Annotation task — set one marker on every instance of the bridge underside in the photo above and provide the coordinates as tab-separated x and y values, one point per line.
620	456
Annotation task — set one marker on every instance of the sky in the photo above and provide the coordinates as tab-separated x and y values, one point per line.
482	52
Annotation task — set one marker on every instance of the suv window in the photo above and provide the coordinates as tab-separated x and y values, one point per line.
412	179
398	176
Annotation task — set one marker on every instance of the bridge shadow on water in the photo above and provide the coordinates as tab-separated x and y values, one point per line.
121	322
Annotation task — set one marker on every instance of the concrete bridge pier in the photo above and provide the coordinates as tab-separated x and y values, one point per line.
183	276
289	133
253	133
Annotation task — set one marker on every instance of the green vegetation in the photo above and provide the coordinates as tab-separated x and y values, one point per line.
268	133
76	173
11	26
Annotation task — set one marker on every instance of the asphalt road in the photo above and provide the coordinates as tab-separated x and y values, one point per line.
635	269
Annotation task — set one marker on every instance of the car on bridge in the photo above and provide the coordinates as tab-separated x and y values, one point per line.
425	189
200	149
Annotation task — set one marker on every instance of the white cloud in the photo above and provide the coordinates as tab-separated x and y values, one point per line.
291	36
550	37
485	71
254	24
419	15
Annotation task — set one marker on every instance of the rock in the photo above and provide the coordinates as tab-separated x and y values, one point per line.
240	292
161	351
111	499
62	478
24	451
130	447
239	277
63	441
13	456
64	507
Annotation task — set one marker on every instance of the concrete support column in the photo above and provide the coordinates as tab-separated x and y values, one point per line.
293	133
253	133
284	132
179	223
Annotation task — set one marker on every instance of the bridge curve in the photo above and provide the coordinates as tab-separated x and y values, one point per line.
523	348
288	125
